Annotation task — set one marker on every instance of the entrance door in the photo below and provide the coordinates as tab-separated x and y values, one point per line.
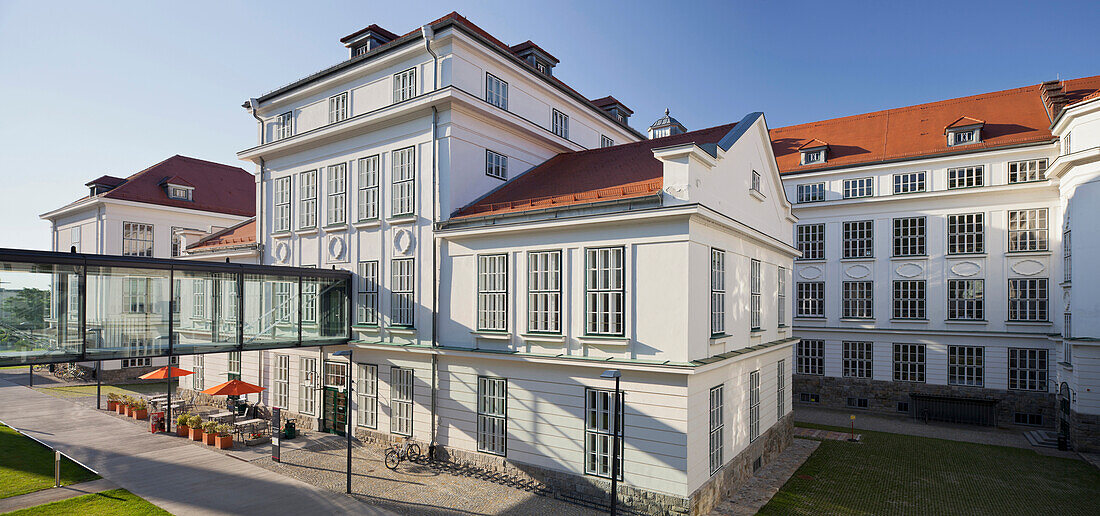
335	400
1063	410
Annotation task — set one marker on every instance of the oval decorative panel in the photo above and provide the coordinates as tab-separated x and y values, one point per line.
282	252
1028	267
909	270
336	248
809	272
403	241
858	271
967	268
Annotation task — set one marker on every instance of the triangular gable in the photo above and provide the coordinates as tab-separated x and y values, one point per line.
963	121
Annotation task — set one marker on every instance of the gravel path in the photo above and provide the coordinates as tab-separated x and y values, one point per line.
758	490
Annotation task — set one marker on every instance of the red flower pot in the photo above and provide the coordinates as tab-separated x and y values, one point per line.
181	430
139	413
112	405
195	433
223	442
208	438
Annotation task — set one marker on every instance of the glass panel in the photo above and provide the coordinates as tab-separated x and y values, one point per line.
270	311
206	315
127	312
39	312
330	321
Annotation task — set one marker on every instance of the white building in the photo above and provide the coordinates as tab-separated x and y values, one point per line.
932	252
513	240
148	214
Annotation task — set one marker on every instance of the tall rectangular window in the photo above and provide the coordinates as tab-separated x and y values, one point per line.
404	85
307	214
810	192
859	239
966	300
281	392
717	424
284	303
492	415
560	123
858	359
284	125
403	178
1025	171
909	182
401	401
810	299
366	392
137	239
909	236
368	292
496	165
861	187
367	202
402	302
309	300
965	177
754	405
1027	299
909	300
1027	230
966	233
966	366
337	206
281	215
810	357
496	91
1067	255
859	299
544	292
338	108
198	298
137	293
717	292
307	385
780	389
811	241
908	362
781	297
755	291
598	436
233	367
1027	369
492	292
754	183
605	291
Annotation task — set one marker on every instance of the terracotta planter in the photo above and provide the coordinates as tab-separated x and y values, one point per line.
181	430
208	438
112	405
127	410
223	442
139	413
195	433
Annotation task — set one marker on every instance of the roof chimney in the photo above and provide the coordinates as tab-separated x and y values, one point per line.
1054	97
666	126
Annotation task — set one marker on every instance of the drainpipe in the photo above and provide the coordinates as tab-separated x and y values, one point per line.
429	34
254	105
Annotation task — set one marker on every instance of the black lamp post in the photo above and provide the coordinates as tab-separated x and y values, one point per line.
614	373
347	411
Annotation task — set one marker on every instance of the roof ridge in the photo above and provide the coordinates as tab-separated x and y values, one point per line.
224	231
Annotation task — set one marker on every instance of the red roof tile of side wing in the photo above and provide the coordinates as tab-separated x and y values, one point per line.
617	172
241	234
218	188
1080	90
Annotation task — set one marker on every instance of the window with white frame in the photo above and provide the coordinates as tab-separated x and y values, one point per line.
402	304
544	292
909	182
717	292
281	385
496	165
307	385
230	305
559	123
74	238
307	212
966	365
496	91
717	424
861	187
965	299
337	206
755	291
909	236
309	299
859	238
858	359
965	177
598	427
366	392
401	401
367	201
606	141
233	367
909	299
281	215
492	415
404	85
810	357
492	292
1027	230
284	302
284	125
1066	149
137	293
1027	299
1067	255
136	362
780	389
198	299
137	239
1027	369
781	297
813	157
180	193
810	299
858	299
811	241
966	233
754	405
198	380
1067	334
908	362
368	292
1025	171
338	108
754	184
962	137
605	291
403	163
810	192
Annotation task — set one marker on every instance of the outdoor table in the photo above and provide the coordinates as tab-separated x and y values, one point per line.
240	426
220	415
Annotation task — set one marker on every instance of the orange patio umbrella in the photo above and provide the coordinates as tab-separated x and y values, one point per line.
163	373
233	388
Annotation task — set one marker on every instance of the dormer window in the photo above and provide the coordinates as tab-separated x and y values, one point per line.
964	131
813	152
180	193
535	56
367	39
540	66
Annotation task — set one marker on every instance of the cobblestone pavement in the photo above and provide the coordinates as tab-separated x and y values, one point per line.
813	433
758	490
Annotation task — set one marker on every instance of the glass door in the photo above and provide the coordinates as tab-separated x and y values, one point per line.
335	412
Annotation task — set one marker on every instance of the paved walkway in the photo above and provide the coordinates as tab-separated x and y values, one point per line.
755	493
167	471
54	494
813	433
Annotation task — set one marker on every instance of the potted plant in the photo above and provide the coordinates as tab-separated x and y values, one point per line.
112	401
182	421
139	410
124	405
129	402
194	428
224	439
209	432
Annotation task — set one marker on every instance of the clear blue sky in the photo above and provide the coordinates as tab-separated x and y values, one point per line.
93	88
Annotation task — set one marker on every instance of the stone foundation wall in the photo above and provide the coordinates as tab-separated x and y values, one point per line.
122	375
723	483
1084	432
883	396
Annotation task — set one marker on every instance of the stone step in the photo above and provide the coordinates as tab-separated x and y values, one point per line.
1042	438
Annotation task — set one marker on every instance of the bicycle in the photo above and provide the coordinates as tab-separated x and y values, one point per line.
406	451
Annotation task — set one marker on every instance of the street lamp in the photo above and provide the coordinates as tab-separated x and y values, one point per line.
347	411
614	373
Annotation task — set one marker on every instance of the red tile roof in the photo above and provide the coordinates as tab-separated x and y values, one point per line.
369	28
240	235
516	49
604	102
813	144
1012	117
963	121
178	181
108	181
617	172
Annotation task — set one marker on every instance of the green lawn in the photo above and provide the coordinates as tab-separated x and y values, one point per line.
900	474
113	502
80	391
26	466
